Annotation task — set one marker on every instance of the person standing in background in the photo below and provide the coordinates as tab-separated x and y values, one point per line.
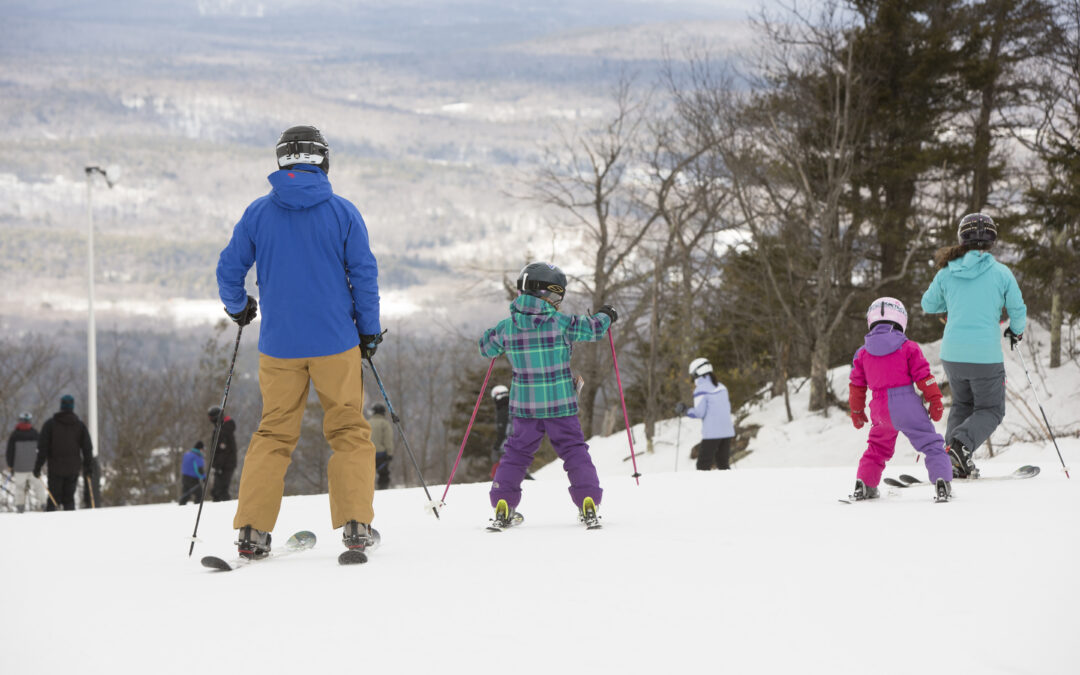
713	407
224	461
21	455
192	474
65	446
382	435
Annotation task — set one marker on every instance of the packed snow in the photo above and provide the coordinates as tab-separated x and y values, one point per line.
756	570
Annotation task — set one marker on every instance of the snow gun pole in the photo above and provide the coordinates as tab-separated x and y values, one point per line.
465	440
622	399
217	432
1043	411
401	432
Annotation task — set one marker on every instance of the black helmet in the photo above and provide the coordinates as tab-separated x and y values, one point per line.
543	280
303	145
978	230
378	409
213	412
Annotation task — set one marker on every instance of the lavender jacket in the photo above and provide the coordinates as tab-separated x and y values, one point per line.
713	408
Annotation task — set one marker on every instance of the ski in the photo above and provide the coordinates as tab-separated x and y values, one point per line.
892	482
515	519
1026	471
298	542
356	556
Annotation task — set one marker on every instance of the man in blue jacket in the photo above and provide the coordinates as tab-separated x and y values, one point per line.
318	282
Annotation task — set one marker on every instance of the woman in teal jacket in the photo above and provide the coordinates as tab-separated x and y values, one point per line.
973	288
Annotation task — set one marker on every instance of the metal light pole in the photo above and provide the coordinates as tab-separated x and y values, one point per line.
111	175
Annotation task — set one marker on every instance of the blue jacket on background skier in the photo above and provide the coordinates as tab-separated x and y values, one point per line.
192	474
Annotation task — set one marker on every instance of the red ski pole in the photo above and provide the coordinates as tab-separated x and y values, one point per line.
626	418
465	440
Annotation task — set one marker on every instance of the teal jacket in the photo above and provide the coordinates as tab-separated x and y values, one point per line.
537	340
973	289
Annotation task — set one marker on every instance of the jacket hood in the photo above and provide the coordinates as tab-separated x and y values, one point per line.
296	189
66	417
972	264
704	384
528	311
884	339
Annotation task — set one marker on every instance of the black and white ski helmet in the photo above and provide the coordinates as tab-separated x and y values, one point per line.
303	145
378	409
700	366
26	417
213	412
543	280
977	229
499	392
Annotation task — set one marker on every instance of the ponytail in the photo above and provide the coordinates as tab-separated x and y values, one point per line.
943	256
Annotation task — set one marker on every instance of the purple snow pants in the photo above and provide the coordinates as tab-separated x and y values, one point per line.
901	409
569	443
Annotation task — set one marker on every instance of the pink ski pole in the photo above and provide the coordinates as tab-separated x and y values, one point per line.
626	418
468	429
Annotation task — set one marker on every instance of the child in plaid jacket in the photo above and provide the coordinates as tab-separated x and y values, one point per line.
537	341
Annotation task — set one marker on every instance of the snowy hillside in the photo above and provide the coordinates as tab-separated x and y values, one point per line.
755	570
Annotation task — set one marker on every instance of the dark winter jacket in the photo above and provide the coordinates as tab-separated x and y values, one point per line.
225	457
193	464
65	445
317	278
22	447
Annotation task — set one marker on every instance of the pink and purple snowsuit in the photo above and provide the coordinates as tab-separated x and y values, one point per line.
889	364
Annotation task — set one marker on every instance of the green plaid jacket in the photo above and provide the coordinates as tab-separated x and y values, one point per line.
537	340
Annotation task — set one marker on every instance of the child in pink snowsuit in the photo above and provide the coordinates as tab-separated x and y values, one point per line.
889	363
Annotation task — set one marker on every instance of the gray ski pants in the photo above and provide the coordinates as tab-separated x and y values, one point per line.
978	401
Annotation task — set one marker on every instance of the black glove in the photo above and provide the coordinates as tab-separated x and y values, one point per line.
610	311
247	314
368	345
681	408
37	473
1014	338
88	471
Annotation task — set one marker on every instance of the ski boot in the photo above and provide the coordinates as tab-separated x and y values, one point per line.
588	514
960	455
942	490
356	536
504	516
863	491
253	544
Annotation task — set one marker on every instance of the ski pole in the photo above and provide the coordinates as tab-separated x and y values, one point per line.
468	429
678	441
217	432
49	492
1043	411
626	418
397	423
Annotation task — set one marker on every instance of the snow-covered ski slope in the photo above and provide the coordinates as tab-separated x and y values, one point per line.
755	570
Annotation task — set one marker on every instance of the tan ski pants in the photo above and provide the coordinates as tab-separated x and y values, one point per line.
351	469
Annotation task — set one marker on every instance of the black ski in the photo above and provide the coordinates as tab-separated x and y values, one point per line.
298	542
356	556
515	519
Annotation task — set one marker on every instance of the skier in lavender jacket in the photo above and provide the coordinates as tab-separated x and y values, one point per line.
888	364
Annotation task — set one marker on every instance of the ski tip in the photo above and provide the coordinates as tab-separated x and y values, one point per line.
352	557
216	563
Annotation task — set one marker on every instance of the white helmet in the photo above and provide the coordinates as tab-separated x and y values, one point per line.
700	366
499	391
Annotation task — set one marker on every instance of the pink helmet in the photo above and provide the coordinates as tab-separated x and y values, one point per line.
887	309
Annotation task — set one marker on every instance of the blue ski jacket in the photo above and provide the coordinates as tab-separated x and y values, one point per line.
317	277
193	464
973	289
